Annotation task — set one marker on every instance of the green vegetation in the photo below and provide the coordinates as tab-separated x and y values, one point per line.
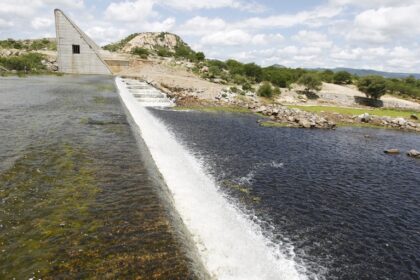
265	90
342	78
29	45
311	82
119	45
28	62
373	86
357	111
215	109
142	52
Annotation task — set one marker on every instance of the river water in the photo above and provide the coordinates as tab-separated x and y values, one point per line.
82	195
79	196
339	206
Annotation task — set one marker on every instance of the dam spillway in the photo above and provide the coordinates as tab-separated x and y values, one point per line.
145	94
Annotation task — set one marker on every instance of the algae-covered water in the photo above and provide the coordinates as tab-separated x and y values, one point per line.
78	198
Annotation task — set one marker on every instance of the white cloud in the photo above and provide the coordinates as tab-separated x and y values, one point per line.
130	11
316	17
213	4
41	23
5	24
229	38
202	25
373	3
312	38
386	24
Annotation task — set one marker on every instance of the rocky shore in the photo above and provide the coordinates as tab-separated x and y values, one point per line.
281	114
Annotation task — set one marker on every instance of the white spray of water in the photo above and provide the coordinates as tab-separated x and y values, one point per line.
231	245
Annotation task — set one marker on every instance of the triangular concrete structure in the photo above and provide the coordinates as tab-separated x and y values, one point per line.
77	53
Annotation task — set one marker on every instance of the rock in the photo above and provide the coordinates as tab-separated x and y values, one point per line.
414	117
413	153
392	151
364	117
305	123
401	121
261	109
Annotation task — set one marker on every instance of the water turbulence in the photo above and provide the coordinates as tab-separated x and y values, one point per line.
230	244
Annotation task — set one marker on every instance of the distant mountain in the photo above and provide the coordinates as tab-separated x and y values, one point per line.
366	72
278	66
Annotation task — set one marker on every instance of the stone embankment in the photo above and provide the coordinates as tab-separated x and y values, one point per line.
398	123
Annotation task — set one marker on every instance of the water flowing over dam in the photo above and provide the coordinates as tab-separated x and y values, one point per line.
230	244
99	181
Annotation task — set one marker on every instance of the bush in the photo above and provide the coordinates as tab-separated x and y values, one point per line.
142	52
234	89
26	62
200	56
247	87
235	67
163	52
342	78
311	82
254	71
327	76
265	90
373	86
276	91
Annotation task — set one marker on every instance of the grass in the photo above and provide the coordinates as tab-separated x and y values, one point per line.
215	109
274	124
358	111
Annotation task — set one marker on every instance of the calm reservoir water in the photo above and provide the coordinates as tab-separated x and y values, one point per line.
347	210
79	197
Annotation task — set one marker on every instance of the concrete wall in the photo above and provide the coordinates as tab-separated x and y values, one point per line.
88	61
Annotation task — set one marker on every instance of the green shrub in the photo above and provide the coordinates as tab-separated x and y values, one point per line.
253	71
27	62
247	87
119	45
311	82
200	56
327	76
164	52
342	78
276	91
265	90
142	52
373	86
234	89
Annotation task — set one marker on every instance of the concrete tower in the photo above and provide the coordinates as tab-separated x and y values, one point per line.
77	53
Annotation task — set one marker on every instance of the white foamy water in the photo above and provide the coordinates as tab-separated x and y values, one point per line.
230	244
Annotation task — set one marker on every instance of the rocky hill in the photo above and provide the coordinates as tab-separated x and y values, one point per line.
151	41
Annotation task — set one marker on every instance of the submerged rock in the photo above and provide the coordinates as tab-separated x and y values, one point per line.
392	151
413	153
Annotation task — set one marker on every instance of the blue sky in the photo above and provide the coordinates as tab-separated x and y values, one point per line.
374	34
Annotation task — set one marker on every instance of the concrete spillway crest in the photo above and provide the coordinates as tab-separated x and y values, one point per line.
77	53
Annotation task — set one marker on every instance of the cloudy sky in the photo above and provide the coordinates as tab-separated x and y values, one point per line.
372	34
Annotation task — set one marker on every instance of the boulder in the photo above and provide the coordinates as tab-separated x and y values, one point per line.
392	151
261	109
413	153
364	117
414	117
401	121
305	123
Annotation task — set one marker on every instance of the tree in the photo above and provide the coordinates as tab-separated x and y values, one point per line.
327	76
373	86
342	78
311	82
200	56
254	71
265	90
